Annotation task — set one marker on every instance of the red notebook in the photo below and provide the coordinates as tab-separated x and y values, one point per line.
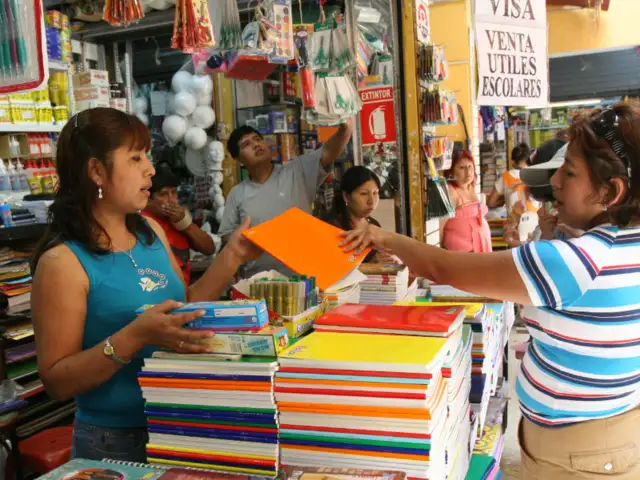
428	320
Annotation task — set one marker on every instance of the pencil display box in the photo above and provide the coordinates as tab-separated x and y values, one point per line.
225	316
267	342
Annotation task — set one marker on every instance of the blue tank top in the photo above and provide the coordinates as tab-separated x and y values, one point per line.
116	290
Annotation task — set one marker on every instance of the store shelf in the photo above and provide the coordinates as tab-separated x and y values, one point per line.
23	232
29	128
552	127
58	66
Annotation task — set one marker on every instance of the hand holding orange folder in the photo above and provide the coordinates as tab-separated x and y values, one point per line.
306	245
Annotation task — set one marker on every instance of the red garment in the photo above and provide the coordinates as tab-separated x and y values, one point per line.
468	231
179	245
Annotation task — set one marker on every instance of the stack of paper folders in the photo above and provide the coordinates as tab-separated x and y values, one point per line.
385	284
211	411
369	401
344	291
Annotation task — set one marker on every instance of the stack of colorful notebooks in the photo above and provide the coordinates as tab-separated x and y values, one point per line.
497	233
15	279
211	411
385	284
365	401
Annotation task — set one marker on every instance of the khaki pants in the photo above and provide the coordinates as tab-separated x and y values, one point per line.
589	450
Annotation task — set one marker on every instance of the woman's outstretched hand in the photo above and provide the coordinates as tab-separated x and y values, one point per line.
358	240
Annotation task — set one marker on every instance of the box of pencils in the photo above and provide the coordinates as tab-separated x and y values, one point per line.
248	315
267	342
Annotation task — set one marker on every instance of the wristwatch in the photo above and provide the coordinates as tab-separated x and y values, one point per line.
110	352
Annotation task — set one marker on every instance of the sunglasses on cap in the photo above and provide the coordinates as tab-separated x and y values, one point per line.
606	125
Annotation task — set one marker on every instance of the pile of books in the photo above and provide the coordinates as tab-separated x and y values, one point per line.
384	285
15	280
382	387
211	411
496	225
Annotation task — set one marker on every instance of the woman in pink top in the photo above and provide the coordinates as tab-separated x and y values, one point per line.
468	231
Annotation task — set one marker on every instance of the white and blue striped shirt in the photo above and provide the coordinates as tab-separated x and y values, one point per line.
583	362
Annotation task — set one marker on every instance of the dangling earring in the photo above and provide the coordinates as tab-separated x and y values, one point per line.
605	207
99	193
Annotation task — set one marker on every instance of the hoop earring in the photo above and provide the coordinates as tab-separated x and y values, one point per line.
99	193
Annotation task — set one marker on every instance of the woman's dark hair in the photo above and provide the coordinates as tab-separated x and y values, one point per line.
604	164
520	153
94	133
351	180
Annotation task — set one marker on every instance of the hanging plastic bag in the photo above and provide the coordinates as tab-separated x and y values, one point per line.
122	13
23	58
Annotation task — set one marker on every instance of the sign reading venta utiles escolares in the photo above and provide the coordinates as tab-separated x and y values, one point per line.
513	67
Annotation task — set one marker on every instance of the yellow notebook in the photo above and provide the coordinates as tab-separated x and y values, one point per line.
354	351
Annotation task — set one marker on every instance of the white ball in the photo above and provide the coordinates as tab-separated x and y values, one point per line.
185	104
171	105
204	117
140	105
174	127
212	191
219	214
218	178
216	152
217	189
201	83
195	138
181	81
205	99
218	200
144	118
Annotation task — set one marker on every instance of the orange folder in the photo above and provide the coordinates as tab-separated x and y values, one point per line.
306	245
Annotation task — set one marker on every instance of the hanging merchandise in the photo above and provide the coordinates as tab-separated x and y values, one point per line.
22	56
122	13
192	29
439	204
336	101
438	107
432	64
230	35
329	49
440	149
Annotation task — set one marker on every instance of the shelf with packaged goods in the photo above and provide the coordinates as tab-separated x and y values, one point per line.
58	66
30	128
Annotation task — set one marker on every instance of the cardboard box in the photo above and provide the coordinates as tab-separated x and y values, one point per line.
225	316
94	78
267	342
302	323
89	104
100	94
119	104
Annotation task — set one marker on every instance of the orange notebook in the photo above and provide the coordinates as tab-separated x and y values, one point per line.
306	245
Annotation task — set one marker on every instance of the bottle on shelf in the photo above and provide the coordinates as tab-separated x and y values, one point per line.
5	215
5	180
35	185
46	178
24	181
53	175
14	178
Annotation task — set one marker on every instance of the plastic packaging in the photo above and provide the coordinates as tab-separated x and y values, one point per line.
5	181
5	215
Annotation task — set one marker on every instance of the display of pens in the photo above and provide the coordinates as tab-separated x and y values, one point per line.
21	45
286	297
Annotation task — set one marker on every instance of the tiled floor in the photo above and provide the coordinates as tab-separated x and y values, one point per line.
511	456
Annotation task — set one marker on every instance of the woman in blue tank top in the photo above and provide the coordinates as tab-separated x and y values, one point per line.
99	262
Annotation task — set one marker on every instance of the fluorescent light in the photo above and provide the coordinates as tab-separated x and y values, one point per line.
592	101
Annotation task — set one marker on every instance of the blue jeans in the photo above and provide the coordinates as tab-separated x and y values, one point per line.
95	443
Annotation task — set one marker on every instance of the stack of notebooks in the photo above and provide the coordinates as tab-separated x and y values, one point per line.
363	401
15	279
346	290
483	467
487	322
211	411
497	233
385	284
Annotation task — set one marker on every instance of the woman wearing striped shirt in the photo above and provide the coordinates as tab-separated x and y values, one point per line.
579	384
